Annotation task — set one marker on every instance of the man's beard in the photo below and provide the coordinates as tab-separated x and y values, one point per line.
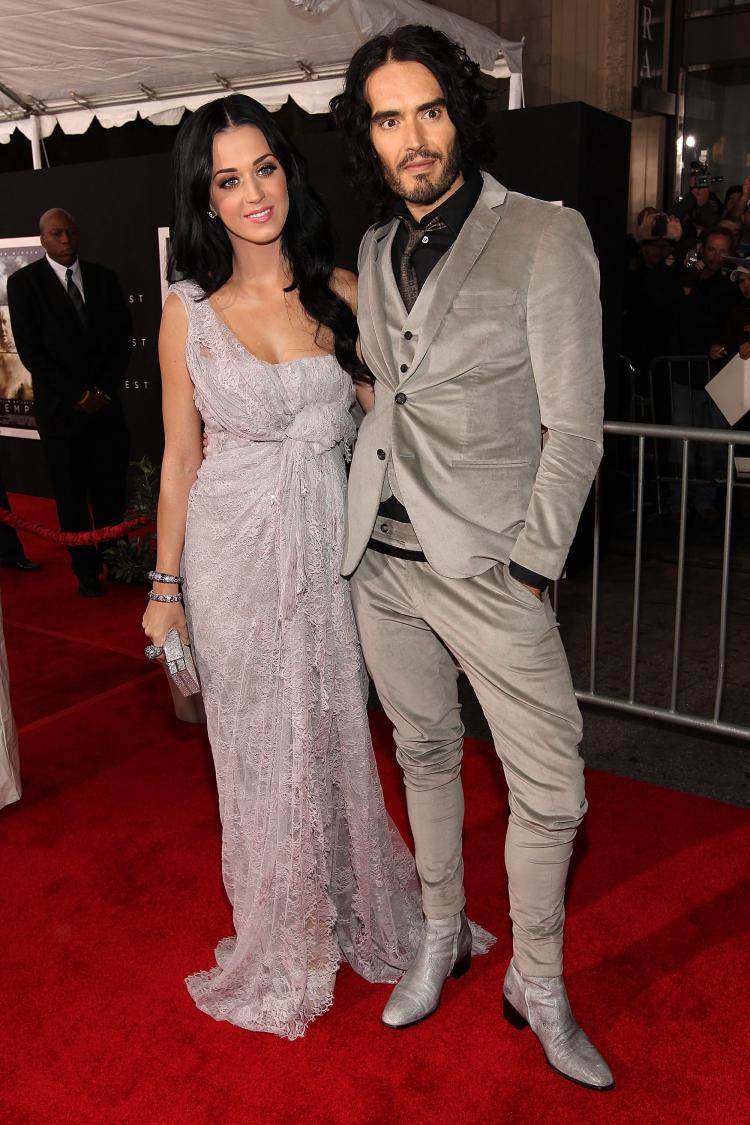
424	191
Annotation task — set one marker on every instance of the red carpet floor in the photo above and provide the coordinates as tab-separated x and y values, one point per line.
111	895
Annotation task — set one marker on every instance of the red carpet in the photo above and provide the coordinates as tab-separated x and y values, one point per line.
111	894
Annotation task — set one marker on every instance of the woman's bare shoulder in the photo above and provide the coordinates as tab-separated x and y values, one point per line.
174	313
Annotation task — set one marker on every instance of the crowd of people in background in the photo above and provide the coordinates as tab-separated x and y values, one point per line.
688	279
687	294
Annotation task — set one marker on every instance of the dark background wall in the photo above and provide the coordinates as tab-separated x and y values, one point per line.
570	152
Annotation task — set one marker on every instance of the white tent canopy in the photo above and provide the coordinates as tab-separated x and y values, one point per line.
66	62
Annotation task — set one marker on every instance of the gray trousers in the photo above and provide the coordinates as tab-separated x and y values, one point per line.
411	620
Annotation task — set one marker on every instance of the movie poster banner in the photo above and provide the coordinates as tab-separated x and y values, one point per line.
16	395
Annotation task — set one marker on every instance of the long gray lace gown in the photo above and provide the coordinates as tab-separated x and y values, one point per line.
312	865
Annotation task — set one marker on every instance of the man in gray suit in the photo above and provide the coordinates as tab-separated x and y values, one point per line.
480	321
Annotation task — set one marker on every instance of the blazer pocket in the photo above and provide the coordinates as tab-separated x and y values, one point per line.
491	298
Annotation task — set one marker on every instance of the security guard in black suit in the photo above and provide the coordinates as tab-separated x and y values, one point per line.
72	330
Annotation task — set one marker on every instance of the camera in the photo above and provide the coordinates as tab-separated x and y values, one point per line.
659	226
700	172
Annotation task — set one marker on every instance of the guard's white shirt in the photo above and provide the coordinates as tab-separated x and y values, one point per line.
61	272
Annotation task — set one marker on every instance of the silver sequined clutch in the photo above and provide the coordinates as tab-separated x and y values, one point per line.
180	664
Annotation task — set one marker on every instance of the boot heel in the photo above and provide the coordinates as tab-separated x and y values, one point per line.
462	966
514	1018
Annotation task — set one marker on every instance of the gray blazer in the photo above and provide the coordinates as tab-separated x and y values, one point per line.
504	339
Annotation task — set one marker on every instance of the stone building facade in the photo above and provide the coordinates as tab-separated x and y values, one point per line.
580	50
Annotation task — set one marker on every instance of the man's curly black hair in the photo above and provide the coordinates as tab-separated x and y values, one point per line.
458	76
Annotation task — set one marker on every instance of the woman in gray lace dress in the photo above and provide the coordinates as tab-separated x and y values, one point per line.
259	347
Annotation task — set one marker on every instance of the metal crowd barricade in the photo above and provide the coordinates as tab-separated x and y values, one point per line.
641	408
691	371
650	398
695	369
645	432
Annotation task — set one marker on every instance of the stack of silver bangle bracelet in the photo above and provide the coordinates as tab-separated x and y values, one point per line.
173	579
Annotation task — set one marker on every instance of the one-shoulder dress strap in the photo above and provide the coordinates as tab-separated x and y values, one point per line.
189	293
204	335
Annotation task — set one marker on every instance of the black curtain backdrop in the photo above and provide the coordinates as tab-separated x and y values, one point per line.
568	152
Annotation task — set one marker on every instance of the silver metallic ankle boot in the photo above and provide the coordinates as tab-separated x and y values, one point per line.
445	950
542	1003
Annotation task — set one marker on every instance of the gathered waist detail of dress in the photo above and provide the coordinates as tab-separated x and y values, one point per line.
318	425
316	429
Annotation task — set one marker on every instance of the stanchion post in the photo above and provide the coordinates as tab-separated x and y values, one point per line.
36	143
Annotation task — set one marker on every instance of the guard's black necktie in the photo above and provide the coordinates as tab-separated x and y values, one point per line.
408	286
75	295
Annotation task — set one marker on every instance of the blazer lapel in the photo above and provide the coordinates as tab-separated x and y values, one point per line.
380	249
470	243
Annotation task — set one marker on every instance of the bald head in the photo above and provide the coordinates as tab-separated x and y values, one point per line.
55	215
59	236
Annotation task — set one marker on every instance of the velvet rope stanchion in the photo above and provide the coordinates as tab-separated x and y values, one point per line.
73	538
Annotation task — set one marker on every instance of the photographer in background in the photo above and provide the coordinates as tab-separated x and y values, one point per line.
735	229
701	208
652	226
704	295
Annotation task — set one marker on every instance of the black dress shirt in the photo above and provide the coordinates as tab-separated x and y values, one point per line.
454	212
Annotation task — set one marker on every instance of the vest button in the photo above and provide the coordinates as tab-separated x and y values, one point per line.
407	335
384	528
381	455
400	398
404	368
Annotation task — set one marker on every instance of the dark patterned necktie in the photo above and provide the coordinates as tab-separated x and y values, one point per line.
75	295
408	286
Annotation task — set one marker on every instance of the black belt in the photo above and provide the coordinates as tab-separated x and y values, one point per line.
397	552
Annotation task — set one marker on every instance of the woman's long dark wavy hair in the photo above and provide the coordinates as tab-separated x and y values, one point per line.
458	76
201	249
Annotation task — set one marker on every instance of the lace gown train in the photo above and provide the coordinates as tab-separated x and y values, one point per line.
312	865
